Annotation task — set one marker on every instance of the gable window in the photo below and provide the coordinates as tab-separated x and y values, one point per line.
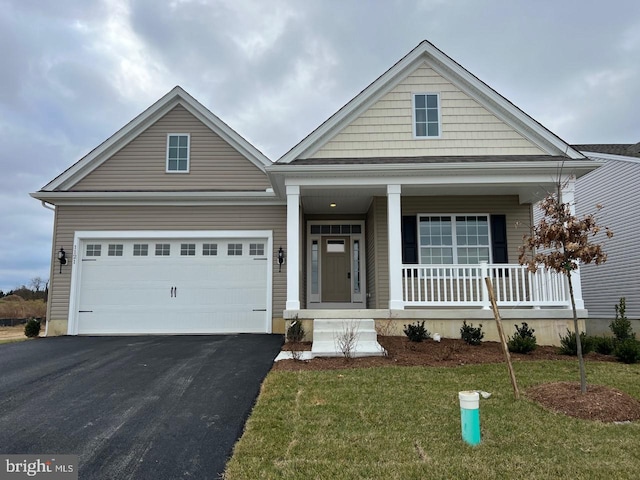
454	239
426	115
178	152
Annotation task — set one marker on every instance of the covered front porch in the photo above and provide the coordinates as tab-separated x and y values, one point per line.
415	243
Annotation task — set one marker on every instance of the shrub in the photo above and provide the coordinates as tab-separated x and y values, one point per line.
621	326
568	343
295	332
32	328
628	351
524	340
603	345
416	332
470	334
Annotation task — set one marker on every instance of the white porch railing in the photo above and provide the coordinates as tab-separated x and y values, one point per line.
464	285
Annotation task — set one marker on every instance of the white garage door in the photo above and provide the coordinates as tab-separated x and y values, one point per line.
173	286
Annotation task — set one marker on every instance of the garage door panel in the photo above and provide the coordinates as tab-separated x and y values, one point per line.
175	293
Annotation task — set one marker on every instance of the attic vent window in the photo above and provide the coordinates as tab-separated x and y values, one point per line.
426	115
178	146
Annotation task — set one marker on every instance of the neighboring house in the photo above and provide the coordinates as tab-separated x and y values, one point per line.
615	186
394	209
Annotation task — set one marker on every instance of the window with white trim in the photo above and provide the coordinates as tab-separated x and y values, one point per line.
209	249
178	146
115	250
188	249
426	115
256	249
140	249
163	249
234	249
94	250
454	239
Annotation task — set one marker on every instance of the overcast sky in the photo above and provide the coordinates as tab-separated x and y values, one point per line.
75	71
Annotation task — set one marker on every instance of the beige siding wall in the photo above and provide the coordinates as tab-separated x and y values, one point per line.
370	245
518	222
386	129
141	165
71	219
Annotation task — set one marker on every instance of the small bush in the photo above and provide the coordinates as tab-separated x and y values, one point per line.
568	343
621	326
524	340
295	332
628	351
470	334
416	332
603	345
32	328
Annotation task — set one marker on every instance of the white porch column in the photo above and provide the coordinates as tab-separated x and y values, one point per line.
394	224
293	247
568	194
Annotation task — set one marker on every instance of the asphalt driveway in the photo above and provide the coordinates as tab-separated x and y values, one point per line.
132	407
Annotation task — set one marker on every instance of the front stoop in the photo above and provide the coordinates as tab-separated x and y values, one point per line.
327	334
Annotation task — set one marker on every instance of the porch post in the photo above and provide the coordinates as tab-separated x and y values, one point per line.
484	273
568	194
394	223
293	247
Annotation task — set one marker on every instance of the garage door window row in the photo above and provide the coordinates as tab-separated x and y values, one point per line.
164	249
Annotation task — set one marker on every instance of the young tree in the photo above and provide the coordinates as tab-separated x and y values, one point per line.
561	241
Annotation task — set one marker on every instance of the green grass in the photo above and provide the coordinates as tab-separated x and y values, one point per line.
404	423
13	340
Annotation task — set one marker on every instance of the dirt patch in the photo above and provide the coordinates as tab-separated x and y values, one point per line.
599	403
446	353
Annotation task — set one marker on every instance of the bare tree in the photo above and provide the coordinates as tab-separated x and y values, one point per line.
561	241
36	283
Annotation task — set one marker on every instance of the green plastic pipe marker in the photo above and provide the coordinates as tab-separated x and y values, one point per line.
470	416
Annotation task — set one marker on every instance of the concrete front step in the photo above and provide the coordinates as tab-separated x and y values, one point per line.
331	337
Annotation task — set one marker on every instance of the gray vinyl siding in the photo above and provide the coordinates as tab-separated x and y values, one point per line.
73	218
141	164
518	218
614	186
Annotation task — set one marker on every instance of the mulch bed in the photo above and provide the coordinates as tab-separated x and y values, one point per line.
599	403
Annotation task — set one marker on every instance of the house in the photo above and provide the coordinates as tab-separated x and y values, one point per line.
394	209
614	185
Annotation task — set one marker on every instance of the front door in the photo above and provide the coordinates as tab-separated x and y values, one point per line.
336	273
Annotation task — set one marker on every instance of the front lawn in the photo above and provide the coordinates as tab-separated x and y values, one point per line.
404	423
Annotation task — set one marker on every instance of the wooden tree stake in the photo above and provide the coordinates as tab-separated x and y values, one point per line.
503	338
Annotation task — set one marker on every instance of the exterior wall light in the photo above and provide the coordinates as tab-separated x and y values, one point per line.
280	259
62	258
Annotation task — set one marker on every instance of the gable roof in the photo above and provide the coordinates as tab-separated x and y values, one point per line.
426	52
621	149
176	96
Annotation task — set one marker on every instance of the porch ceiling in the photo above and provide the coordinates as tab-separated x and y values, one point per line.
356	199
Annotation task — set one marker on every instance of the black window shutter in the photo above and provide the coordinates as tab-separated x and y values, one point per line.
499	239
409	239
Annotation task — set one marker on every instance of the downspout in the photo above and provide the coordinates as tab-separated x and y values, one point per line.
46	320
